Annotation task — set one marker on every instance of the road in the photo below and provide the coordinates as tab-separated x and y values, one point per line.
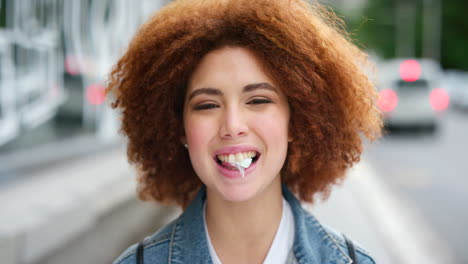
431	173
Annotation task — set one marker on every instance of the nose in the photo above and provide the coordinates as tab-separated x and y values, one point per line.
233	124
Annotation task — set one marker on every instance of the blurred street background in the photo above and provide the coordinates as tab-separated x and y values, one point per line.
67	194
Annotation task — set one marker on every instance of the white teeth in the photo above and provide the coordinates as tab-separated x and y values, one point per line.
237	157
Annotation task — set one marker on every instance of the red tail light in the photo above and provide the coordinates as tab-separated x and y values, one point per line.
410	70
439	99
95	94
387	100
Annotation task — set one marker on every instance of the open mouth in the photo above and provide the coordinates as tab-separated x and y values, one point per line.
229	161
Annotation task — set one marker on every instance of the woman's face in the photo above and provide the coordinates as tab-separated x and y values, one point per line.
234	112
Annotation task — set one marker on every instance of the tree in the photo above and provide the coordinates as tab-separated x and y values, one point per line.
385	25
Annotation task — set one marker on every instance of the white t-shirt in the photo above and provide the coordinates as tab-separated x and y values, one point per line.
282	243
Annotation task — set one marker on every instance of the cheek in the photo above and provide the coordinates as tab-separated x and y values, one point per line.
198	133
273	128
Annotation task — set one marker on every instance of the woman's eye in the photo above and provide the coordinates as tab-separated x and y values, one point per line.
259	101
205	106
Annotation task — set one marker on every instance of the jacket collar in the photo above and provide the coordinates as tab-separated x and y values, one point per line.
312	243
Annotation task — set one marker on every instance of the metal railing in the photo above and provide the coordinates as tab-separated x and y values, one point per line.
43	40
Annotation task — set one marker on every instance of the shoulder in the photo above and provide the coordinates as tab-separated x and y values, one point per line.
333	242
156	246
363	256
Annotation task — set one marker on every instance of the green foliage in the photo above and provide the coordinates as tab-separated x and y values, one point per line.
375	29
455	34
3	7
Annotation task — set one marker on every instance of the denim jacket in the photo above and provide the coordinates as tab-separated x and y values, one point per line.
184	240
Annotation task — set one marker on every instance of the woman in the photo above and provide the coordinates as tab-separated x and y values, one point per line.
233	109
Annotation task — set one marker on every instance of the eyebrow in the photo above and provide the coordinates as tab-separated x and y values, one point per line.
247	88
256	86
209	91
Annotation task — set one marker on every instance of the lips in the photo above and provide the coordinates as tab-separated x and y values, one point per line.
236	174
226	156
235	149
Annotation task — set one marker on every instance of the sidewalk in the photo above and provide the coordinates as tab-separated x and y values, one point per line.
365	209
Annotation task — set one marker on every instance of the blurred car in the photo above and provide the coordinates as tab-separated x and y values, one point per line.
456	83
409	93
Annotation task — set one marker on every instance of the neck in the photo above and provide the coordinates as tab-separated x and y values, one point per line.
244	231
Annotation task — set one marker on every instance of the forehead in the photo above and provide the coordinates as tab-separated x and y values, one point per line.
228	65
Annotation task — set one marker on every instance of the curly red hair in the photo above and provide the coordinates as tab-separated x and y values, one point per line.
304	48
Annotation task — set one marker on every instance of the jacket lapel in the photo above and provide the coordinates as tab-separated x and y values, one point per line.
188	241
312	243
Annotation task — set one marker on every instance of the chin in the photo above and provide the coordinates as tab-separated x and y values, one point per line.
234	198
237	194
